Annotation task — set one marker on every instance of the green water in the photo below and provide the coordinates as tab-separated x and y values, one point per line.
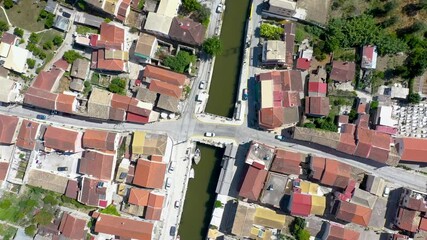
200	198
223	89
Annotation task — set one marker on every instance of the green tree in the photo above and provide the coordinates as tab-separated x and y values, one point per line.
374	104
271	32
43	217
18	32
414	98
57	40
111	210
212	46
49	199
117	85
34	38
191	5
49	21
48	45
303	234
4	26
31	63
179	62
30	230
70	56
309	125
8	4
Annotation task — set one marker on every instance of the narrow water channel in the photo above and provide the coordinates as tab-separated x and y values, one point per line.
200	198
223	89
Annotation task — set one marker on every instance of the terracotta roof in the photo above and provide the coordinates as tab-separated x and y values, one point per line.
27	135
131	117
416	204
91	194
300	204
347	143
102	63
164	75
8	125
139	196
40	98
4	166
72	189
124	227
407	220
423	224
46	80
317	166
62	139
97	139
72	227
149	174
343	119
291	99
61	64
121	13
364	142
111	36
165	88
80	68
187	31
153	213
412	149
303	64
318	106
138	107
337	232
270	118
97	165
343	71
336	174
8	38
121	102
349	128
155	200
287	162
117	114
253	183
65	103
317	87
354	213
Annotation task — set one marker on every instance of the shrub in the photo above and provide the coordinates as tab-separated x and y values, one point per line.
212	46
31	63
43	217
30	230
18	32
117	85
4	26
51	200
34	38
111	210
218	204
70	56
8	4
57	40
271	32
179	62
48	45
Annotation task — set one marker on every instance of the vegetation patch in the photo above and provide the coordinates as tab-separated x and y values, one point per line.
270	31
212	46
180	62
85	30
27	19
118	86
111	210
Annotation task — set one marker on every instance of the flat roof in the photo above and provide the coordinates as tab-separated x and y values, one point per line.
158	23
275	50
266	94
17	59
274	189
168	8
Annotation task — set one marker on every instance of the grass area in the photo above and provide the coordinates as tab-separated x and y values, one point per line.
345	54
111	210
85	29
49	35
3	17
94	79
25	14
7	232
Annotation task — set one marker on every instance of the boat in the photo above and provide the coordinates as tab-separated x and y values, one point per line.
192	173
196	157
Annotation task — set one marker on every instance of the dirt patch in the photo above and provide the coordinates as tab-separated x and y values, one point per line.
134	19
64	85
316	10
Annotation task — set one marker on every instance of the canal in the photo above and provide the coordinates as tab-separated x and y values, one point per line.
224	83
200	198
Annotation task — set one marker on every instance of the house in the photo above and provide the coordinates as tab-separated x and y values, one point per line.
107	60
289	37
40	98
317	167
274	53
342	71
145	48
99	104
260	155
412	149
384	117
123	10
396	91
80	69
274	189
97	165
149	174
369	57
62	139
61	64
66	103
27	135
334	231
187	31
47	180
138	196
165	88
88	19
303	64
48	80
100	140
8	38
317	89
336	174
72	189
151	73
407	220
159	22
300	204
414	200
4	168
72	227
168	103
253	183
62	23
77	85
281	8
8	126
123	227
16	59
287	162
95	192
350	212
317	106
144	143
154	206
10	90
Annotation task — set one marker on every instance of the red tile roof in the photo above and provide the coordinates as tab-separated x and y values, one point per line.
354	213
123	8
317	87
347	143
72	227
270	118
343	71
27	135
336	174
153	213
72	189
253	183
164	75
65	103
8	125
117	114
91	194
46	80
187	31
318	166
407	220
349	128
287	162
8	38
96	164
149	174
139	196
137	107
62	139
412	149
4	166
131	117
423	224
97	139
343	119
364	142
300	204
121	102
111	36
337	232
291	99
165	88
40	98
386	129
100	62
303	63
123	227
61	64
318	106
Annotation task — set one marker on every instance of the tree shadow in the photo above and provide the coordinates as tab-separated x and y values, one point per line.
411	9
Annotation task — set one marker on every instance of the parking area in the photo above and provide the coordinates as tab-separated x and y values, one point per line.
412	120
51	162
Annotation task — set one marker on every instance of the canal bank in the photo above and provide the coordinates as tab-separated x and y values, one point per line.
225	76
200	196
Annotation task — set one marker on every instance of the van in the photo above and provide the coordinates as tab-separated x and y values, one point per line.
172	166
168	183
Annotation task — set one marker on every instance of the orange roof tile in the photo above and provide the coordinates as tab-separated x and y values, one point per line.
65	102
336	174
156	200
354	213
287	162
62	139
164	75
124	227
165	88
97	139
8	125
27	135
139	196
97	165
413	149
149	174
253	183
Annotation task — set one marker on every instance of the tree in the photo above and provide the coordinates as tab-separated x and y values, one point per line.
179	62
43	217
34	38
414	98
117	85
49	199
31	63
212	46
303	235
271	32
4	26
70	56
49	21
48	45
309	125
374	104
18	32
8	4
30	230
191	5
57	40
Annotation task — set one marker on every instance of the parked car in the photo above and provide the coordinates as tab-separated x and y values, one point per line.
220	8
172	231
279	137
245	94
62	169
386	192
41	116
172	166
168	183
177	204
209	134
202	85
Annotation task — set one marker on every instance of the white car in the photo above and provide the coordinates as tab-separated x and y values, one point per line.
172	166
177	204
202	85
220	8
386	192
209	134
168	183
